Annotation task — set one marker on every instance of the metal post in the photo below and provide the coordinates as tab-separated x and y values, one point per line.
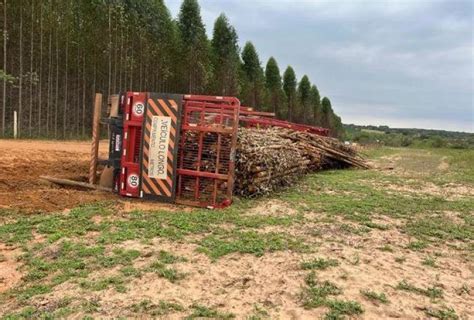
95	138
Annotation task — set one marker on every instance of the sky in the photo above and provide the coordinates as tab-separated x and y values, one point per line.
406	64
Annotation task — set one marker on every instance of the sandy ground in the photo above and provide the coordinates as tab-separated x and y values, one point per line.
22	162
235	283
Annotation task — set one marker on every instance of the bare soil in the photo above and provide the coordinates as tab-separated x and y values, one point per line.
22	162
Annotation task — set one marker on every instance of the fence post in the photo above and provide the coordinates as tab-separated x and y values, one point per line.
95	138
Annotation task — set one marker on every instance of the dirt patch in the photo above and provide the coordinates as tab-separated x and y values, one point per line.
450	191
273	207
444	165
22	162
9	267
143	205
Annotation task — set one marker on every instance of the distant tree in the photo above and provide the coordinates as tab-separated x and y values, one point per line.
194	46
289	86
304	113
337	129
252	77
225	58
273	84
326	113
315	105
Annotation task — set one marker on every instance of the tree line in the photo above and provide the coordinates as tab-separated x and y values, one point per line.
58	53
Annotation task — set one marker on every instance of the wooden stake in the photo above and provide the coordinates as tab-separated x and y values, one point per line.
95	138
67	182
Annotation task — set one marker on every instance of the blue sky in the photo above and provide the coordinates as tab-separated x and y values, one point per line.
397	63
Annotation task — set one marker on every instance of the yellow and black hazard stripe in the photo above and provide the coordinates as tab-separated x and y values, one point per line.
168	106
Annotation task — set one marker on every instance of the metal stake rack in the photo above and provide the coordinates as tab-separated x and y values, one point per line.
207	151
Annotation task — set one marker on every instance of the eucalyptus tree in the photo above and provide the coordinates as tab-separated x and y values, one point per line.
289	86
253	79
225	58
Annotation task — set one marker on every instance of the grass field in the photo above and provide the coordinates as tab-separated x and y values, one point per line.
370	244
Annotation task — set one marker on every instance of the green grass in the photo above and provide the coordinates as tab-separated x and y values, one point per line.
318	294
163	271
216	246
374	296
319	264
168	258
340	308
432	292
200	311
116	282
386	248
429	261
161	309
442	314
417	245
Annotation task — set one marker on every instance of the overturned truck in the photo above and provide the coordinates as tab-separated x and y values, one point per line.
200	150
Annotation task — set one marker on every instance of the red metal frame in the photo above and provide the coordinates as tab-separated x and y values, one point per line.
260	122
216	116
133	106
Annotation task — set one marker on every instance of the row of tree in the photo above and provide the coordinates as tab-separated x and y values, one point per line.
58	53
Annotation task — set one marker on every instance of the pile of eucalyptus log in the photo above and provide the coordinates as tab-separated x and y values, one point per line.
268	159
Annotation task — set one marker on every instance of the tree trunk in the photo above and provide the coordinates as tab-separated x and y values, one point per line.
50	87
5	36
40	96
20	89
83	95
66	85
56	98
31	68
110	50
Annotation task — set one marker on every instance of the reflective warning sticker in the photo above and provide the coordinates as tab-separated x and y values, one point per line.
159	142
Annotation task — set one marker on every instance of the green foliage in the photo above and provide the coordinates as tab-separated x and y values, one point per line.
315	105
205	312
225	58
161	309
66	48
317	294
429	261
275	95
6	77
442	314
289	86
374	296
327	112
319	264
251	242
104	283
253	82
163	271
339	308
194	47
432	292
303	114
417	138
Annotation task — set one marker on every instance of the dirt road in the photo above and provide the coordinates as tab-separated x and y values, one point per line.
23	161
